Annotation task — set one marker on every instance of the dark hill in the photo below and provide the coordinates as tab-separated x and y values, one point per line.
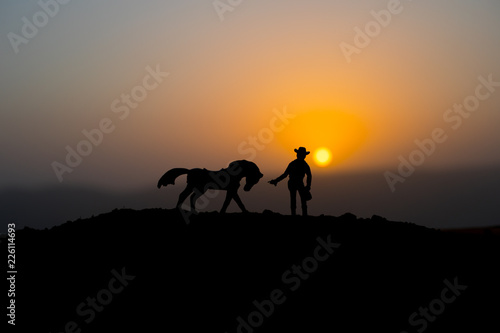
148	271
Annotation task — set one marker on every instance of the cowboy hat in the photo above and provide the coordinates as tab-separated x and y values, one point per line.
301	150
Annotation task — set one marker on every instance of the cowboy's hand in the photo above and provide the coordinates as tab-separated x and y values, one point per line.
308	188
273	182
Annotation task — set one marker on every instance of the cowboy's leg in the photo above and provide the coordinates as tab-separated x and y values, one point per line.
303	201
293	199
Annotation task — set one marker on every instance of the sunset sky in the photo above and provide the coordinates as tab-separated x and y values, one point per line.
202	83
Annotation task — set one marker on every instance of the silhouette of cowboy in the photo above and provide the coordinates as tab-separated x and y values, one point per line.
296	170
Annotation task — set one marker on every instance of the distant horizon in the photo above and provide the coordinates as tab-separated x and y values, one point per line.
469	210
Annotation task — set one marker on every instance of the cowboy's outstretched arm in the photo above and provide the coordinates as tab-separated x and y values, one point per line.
283	176
280	178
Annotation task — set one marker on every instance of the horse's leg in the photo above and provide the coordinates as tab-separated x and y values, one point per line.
240	204
229	197
197	193
184	194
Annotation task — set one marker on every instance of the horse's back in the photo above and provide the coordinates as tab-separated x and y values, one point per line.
197	176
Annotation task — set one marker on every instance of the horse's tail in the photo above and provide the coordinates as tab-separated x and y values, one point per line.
170	176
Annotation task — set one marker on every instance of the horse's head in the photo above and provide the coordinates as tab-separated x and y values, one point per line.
249	170
252	180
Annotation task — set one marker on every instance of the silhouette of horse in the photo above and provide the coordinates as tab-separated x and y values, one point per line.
201	180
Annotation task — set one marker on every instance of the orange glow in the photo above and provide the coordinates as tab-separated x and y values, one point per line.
332	137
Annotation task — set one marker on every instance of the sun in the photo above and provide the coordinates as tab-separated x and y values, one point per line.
322	156
333	137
